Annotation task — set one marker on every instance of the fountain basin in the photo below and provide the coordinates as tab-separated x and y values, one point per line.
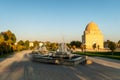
60	59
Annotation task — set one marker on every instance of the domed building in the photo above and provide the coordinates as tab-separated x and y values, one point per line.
92	37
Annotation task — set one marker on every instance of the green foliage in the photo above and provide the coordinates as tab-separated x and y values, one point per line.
52	46
69	46
20	47
5	48
9	37
7	40
20	43
118	44
106	43
112	46
77	44
26	44
36	44
1	38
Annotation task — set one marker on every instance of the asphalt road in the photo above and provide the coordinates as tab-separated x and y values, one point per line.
20	67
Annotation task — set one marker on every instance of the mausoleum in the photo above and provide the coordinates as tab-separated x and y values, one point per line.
92	37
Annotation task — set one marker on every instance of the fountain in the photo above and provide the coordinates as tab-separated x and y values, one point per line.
61	56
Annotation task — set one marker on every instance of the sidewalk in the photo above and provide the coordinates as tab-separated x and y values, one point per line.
106	62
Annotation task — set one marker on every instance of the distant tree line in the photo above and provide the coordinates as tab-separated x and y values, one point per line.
107	44
53	46
8	40
21	45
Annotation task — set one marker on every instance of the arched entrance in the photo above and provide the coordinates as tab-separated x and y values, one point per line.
94	45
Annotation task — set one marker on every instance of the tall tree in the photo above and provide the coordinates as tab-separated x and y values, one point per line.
112	46
9	37
7	40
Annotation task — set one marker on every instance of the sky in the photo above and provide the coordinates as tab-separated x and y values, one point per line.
53	20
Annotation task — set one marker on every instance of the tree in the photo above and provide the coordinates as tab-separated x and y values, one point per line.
26	44
53	46
48	45
7	40
112	46
68	45
1	38
74	47
20	47
36	44
119	42
21	43
5	48
76	43
83	47
9	37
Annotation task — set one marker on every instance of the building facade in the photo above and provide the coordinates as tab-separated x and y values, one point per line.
92	37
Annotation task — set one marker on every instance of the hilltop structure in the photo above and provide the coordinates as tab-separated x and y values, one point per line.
92	37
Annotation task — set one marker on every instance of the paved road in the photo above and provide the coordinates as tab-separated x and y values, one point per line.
20	67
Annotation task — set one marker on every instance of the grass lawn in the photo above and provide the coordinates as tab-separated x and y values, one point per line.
116	55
